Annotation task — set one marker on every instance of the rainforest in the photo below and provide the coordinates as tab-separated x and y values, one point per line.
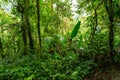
59	39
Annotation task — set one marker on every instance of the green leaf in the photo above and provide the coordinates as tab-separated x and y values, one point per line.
41	1
75	30
30	77
6	0
80	41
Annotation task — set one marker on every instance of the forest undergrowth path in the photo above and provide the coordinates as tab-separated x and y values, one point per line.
107	73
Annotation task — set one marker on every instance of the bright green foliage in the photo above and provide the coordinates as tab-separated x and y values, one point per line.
41	2
61	58
80	41
75	30
49	66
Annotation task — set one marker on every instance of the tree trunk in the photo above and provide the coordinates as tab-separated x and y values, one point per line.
111	31
38	23
1	49
31	44
1	44
109	9
24	34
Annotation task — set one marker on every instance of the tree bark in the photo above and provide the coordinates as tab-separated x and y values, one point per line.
31	44
38	23
21	9
24	34
111	30
1	49
109	9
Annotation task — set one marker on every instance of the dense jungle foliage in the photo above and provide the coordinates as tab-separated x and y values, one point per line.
59	39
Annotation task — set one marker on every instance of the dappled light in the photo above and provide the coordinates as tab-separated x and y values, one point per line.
59	39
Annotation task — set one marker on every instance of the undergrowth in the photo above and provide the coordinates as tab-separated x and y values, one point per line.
45	67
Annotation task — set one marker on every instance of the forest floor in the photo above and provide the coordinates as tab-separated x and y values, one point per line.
111	72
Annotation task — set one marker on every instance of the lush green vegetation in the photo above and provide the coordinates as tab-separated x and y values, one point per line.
58	39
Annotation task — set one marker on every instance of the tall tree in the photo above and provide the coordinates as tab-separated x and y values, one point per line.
109	9
21	11
27	24
38	23
1	49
